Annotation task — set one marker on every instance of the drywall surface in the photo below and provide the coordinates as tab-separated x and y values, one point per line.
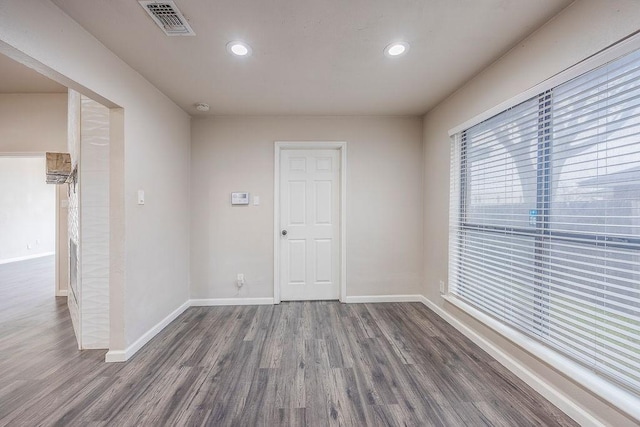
384	201
27	209
33	123
581	30
156	158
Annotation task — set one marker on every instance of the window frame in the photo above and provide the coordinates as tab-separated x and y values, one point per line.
611	391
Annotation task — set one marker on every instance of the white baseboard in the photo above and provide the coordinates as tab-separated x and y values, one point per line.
270	301
559	399
124	355
24	258
115	356
62	292
230	301
383	298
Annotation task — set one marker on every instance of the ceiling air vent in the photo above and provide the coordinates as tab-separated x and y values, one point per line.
168	17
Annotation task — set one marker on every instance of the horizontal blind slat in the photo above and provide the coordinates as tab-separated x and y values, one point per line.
545	218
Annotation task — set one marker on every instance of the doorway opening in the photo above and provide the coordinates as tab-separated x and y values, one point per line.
29	235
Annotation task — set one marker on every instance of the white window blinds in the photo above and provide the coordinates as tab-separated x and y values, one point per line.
545	218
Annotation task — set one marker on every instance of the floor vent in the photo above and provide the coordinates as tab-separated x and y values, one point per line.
168	17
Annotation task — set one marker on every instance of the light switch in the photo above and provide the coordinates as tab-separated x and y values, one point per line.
141	197
256	200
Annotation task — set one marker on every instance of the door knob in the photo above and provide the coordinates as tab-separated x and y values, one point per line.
284	232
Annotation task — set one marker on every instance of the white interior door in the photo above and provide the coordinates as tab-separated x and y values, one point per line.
309	224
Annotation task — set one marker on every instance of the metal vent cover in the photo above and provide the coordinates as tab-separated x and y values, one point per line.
167	16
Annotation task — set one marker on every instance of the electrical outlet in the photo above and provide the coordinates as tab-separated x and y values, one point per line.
442	286
240	280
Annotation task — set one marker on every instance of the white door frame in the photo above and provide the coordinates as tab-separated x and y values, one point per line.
341	146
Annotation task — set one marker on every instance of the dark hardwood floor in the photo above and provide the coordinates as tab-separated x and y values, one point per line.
307	363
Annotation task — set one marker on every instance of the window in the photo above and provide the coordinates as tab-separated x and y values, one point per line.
545	225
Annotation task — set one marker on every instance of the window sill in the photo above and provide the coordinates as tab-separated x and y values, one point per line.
616	396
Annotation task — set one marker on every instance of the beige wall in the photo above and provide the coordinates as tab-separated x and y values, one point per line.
152	280
37	123
33	123
581	30
384	201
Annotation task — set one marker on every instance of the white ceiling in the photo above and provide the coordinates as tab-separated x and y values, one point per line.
17	78
314	57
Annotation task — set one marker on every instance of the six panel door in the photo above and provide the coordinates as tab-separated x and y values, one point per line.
309	224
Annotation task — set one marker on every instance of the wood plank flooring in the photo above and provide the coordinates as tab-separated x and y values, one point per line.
294	364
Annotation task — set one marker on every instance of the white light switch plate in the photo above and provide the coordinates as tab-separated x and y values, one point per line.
141	197
256	200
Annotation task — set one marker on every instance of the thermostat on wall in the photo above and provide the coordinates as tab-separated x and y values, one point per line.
239	198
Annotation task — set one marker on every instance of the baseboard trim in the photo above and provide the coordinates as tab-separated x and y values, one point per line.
559	399
230	301
25	258
124	355
113	356
62	292
382	298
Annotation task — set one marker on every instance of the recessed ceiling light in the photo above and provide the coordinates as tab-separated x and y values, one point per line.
239	48
396	49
